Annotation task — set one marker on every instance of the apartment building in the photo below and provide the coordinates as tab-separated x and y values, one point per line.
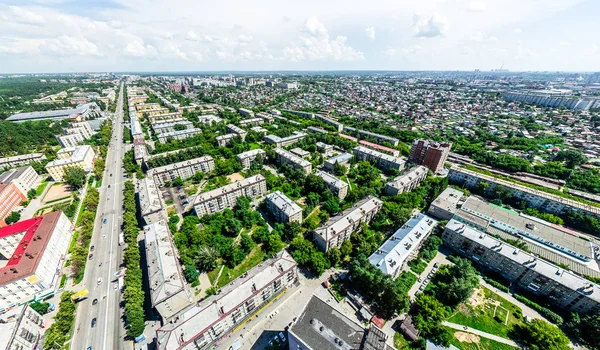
23	159
446	204
342	159
37	249
168	291
178	135
265	116
226	197
246	158
80	157
285	157
317	130
152	208
300	152
337	186
383	161
406	182
282	208
337	125
339	228
140	152
21	328
252	122
259	130
237	131
206	325
545	201
10	198
75	134
70	140
380	148
24	178
224	140
524	270
209	119
246	112
183	170
403	245
284	141
165	116
367	134
323	147
431	154
171	126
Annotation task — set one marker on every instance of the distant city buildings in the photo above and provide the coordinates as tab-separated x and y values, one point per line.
86	111
433	155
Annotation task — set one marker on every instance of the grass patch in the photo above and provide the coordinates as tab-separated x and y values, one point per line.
40	189
253	259
63	281
58	199
98	183
483	344
489	317
417	265
73	241
81	210
212	275
401	343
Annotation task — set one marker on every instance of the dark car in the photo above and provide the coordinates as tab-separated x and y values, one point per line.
93	322
92	248
91	256
95	301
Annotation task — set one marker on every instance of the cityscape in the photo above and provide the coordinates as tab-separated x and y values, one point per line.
394	176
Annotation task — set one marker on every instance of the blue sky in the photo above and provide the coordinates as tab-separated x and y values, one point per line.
177	35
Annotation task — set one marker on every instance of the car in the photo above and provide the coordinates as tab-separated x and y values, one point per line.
92	248
111	174
282	337
104	221
93	322
99	281
108	186
91	256
436	264
95	301
276	340
89	348
420	279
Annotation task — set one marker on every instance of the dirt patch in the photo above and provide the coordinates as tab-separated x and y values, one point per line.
301	201
466	337
478	297
57	192
235	177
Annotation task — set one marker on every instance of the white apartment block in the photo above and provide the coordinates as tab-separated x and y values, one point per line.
251	122
246	158
213	319
22	159
35	250
285	157
284	141
337	186
160	128
407	181
237	131
339	228
226	197
260	130
80	127
342	159
80	157
283	209
152	208
223	140
300	152
323	147
382	160
168	291
183	170
21	328
209	119
24	178
178	135
70	140
265	116
246	112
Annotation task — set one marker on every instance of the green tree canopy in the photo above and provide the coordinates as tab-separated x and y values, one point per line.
75	176
540	335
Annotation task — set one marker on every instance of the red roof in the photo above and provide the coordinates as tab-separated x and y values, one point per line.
379	322
379	147
348	137
30	249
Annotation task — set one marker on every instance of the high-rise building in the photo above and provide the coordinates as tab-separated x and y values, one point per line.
430	154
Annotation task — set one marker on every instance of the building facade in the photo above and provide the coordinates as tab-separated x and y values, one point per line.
178	135
246	158
23	159
183	170
406	182
383	161
431	154
24	178
10	198
285	157
282	208
337	186
226	197
79	157
284	141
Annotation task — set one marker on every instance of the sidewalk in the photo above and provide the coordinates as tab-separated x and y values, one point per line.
481	334
527	311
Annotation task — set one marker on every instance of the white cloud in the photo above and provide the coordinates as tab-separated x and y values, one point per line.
22	15
191	36
564	43
517	30
69	46
370	31
317	45
138	48
430	27
245	38
477	6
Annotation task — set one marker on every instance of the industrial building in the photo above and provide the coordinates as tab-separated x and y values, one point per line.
88	110
285	157
430	154
226	197
246	158
337	186
339	228
178	135
211	321
403	245
383	161
168	290
183	170
406	182
282	208
80	157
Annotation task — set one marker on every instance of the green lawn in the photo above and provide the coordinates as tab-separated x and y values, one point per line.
481	317
417	265
401	343
253	259
41	187
98	183
483	344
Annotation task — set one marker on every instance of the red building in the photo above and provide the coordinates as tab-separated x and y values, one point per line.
433	155
10	197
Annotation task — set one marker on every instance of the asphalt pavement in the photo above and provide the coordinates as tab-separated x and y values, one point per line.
108	332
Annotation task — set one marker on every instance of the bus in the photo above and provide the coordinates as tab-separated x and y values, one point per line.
120	282
121	238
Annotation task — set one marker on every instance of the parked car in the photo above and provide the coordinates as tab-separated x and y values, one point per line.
282	337
436	265
91	256
95	301
99	281
93	322
92	248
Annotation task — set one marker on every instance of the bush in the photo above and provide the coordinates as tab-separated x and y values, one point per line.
496	284
547	313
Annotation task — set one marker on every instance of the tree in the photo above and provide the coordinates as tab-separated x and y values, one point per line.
190	273
32	193
206	259
346	249
177	182
428	318
571	158
40	307
198	177
13	217
332	206
273	245
335	256
453	284
540	335
75	177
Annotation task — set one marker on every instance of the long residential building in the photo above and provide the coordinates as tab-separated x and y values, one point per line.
246	112
252	122
553	99
406	182
35	249
383	161
172	126
446	204
285	157
80	157
403	245
237	131
23	159
206	325
152	208
246	158
21	328
342	159
209	119
337	125
75	134
524	270
168	291
10	198
337	186
380	138
284	141
178	135
537	199
226	197
183	170
282	208
339	228
24	178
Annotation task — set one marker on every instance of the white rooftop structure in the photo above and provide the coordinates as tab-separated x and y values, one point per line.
391	256
77	154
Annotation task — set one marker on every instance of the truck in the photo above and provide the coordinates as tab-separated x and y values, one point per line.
80	295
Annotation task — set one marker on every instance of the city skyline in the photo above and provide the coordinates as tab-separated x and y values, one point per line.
62	36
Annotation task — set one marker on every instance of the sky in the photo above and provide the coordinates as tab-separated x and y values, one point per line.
38	36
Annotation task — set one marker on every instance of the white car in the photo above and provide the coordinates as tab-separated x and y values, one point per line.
99	281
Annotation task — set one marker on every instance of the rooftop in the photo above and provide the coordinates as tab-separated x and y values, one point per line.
449	199
292	157
348	217
180	132
183	164
331	180
283	203
12	174
229	188
251	153
406	178
386	157
78	154
149	197
57	114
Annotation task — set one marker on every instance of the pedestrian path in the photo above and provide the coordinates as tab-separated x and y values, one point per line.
480	333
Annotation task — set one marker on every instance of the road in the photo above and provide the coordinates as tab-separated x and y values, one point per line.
108	333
